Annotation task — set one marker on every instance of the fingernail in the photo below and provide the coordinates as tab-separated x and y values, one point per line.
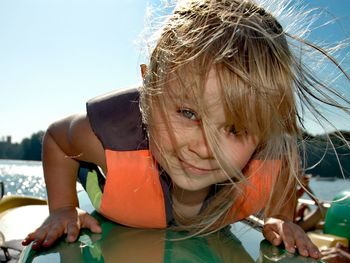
35	245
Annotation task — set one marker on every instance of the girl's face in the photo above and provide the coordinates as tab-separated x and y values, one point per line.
178	140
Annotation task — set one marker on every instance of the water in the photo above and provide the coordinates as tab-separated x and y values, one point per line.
22	178
26	178
326	190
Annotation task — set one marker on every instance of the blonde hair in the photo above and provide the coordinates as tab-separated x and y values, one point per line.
261	80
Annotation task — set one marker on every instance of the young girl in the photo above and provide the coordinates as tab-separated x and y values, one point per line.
209	139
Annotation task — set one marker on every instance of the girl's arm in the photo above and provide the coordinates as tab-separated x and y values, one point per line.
65	143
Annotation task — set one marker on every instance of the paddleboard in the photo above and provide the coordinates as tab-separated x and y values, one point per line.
236	243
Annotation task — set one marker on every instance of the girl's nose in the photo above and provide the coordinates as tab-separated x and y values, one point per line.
198	144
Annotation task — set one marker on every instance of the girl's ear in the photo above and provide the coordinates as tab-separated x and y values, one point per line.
143	70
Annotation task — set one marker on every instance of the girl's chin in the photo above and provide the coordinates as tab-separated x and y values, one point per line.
193	182
192	185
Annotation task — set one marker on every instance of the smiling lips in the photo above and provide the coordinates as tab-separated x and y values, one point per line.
195	169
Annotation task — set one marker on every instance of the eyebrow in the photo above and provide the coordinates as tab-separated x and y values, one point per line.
178	93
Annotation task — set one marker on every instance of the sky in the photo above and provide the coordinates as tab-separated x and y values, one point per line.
57	54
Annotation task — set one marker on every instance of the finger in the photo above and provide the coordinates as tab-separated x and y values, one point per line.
28	239
272	236
289	241
53	234
91	223
314	252
304	245
302	242
36	244
26	242
73	230
37	237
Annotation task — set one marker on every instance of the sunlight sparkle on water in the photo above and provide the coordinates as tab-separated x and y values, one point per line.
22	178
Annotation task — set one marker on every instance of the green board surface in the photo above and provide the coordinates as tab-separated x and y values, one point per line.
236	243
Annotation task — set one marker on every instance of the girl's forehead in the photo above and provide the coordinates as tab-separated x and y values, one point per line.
196	88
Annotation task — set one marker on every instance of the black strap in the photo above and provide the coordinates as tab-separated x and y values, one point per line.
9	250
2	189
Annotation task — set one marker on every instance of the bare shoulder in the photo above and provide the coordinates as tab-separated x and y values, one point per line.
76	138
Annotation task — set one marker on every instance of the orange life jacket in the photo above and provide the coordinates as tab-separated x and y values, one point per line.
134	193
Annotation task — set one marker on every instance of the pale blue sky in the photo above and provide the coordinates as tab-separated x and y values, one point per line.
57	54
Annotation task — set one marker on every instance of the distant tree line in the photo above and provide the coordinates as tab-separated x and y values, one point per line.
28	149
330	159
327	158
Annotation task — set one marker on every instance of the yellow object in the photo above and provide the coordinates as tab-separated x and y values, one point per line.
8	202
322	240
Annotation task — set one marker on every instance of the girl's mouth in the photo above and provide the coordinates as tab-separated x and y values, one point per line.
195	169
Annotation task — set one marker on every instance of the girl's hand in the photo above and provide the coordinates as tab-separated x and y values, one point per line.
67	220
293	236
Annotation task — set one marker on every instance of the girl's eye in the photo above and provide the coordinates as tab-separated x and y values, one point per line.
188	114
233	130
